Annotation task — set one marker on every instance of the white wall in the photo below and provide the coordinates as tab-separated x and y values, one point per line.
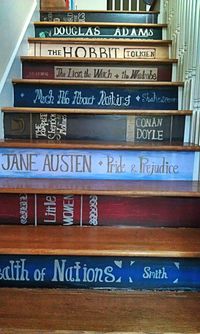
13	19
91	4
15	28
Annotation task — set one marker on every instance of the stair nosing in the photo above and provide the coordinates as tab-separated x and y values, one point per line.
96	111
98	82
102	24
99	41
96	145
130	188
53	10
123	241
97	60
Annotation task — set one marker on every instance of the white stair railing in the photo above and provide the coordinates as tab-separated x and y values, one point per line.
183	19
129	5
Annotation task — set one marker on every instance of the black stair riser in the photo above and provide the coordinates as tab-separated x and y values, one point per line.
68	95
87	16
98	32
118	128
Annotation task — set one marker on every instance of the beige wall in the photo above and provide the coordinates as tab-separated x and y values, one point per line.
91	4
79	4
52	4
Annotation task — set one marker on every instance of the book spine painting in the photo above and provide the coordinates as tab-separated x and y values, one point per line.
101	164
118	128
94	210
104	51
65	71
78	31
99	272
95	97
87	16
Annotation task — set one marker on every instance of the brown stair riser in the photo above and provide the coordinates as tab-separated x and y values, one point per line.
106	71
94	210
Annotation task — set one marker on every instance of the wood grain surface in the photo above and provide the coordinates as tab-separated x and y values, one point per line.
103	241
100	24
99	83
56	10
101	61
95	145
32	311
109	41
100	187
98	111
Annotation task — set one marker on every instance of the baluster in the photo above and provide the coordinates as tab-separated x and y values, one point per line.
138	6
113	4
129	5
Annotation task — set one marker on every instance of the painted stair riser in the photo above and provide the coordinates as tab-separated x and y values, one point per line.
98	164
118	128
94	210
87	16
99	272
86	71
102	51
99	97
98	31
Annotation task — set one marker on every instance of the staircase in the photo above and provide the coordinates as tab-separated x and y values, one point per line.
95	164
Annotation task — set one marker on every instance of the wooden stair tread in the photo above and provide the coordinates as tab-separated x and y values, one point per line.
95	145
102	24
99	41
99	83
97	111
100	187
98	312
103	241
98	60
54	10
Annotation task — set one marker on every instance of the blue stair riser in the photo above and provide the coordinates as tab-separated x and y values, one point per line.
99	272
95	97
98	164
